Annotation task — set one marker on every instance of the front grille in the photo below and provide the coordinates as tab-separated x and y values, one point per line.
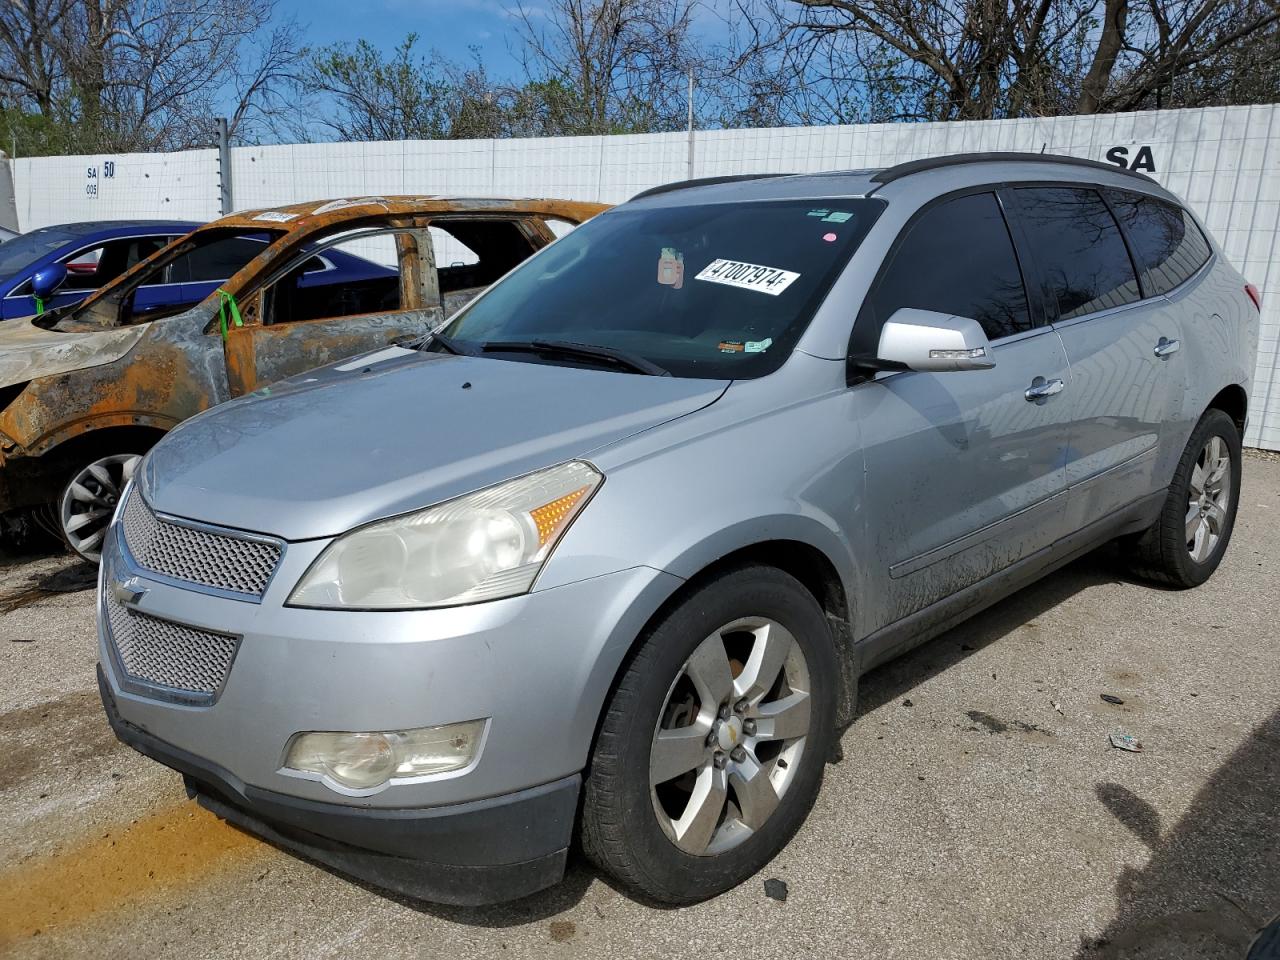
197	555
162	653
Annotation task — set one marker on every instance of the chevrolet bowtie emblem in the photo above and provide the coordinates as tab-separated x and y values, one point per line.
128	591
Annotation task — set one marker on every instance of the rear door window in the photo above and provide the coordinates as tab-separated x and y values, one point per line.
1083	263
1167	244
474	253
956	258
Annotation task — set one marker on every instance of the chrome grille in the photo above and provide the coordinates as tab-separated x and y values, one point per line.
162	653
195	554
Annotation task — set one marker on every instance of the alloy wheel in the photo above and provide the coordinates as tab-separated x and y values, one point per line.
730	737
1209	499
89	502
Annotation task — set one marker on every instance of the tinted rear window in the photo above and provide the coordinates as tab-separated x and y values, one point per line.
711	290
957	258
1084	264
1166	242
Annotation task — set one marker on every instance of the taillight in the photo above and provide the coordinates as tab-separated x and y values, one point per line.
1254	295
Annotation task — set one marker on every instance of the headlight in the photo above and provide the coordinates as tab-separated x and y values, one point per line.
483	546
362	761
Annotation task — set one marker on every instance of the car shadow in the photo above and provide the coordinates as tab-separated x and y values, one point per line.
1213	880
898	677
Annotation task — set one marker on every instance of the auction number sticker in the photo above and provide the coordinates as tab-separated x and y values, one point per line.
748	276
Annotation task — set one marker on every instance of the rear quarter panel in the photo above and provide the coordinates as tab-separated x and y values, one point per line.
1219	345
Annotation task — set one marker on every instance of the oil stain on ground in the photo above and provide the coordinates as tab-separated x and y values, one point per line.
167	850
995	725
74	722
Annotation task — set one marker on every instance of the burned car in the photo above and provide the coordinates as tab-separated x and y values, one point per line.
85	390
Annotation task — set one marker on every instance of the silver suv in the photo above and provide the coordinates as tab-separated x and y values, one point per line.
606	555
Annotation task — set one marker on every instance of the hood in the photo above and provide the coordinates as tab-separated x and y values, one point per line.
394	432
28	351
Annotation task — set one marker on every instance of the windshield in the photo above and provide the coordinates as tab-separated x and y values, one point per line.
21	252
718	291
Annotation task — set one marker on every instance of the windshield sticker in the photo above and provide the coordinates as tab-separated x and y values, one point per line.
823	213
838	216
732	346
275	216
748	276
671	268
757	346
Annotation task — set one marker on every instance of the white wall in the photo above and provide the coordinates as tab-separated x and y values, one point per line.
1224	161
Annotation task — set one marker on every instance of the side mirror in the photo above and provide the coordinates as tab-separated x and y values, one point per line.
46	280
926	340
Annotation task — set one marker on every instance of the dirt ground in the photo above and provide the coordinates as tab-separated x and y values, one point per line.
980	810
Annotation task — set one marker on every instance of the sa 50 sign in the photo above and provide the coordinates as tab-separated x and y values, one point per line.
1141	160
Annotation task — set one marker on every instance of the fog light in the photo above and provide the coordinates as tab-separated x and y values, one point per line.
362	761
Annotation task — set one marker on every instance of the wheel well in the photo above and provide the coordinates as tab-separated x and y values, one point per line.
1234	402
104	441
818	575
39	480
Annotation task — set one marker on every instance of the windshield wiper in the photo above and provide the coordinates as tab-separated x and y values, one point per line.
579	351
427	341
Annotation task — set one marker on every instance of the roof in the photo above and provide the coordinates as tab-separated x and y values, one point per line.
320	212
956	159
865	182
87	227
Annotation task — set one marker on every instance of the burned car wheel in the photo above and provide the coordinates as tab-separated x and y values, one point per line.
712	749
89	501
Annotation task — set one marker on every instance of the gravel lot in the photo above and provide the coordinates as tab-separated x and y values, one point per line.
979	812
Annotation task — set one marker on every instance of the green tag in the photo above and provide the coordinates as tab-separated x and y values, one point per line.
227	303
39	306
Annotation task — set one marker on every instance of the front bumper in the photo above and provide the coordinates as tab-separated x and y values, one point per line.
537	668
469	854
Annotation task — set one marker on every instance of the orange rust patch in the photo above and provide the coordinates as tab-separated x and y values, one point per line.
165	851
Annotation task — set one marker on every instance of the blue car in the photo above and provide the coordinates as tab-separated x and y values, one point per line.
63	264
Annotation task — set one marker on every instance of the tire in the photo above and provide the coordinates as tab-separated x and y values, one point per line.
631	828
89	498
1167	552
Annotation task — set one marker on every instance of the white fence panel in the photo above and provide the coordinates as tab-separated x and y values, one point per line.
1224	161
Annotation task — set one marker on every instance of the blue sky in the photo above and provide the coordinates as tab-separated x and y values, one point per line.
450	26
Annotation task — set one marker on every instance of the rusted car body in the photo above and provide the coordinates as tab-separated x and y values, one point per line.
95	381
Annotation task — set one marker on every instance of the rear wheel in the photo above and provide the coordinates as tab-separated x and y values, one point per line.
89	501
712	748
1185	545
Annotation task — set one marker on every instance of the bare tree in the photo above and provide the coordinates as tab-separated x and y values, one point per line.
140	74
857	60
607	66
1146	48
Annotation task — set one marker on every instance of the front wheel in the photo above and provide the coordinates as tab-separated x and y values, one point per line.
89	501
1185	545
712	747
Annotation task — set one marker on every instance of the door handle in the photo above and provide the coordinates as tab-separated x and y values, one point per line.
1167	348
1042	389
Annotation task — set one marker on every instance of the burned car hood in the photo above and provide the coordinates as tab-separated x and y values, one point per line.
28	352
394	432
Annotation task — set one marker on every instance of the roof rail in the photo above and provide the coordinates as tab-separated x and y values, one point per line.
706	182
901	170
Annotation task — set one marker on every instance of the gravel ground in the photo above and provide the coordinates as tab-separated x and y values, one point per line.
979	811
